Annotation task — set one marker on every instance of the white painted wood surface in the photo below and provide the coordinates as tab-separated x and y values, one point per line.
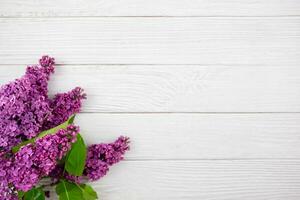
177	88
56	8
208	90
198	136
209	180
152	40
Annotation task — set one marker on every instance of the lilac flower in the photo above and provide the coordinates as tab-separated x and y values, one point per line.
6	190
58	172
101	156
34	161
64	105
26	110
24	104
72	178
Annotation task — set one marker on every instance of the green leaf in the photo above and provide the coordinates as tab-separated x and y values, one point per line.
21	194
71	119
88	192
68	191
72	191
75	160
35	194
44	133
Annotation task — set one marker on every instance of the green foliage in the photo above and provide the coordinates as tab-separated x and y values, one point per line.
88	192
20	194
74	163
72	191
34	194
75	160
68	191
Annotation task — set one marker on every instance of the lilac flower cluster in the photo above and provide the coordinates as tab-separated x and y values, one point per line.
24	104
25	111
63	106
6	191
101	156
34	161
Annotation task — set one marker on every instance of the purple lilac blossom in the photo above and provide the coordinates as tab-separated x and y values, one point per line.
58	172
36	160
26	110
101	156
24	104
6	190
64	105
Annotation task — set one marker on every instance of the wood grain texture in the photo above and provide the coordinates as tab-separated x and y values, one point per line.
149	8
189	82
205	180
198	136
173	88
250	41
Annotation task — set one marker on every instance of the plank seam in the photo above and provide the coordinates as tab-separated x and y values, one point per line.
213	159
163	64
91	112
158	16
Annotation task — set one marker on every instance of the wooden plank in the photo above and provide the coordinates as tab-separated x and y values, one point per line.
174	88
267	41
205	180
55	8
198	136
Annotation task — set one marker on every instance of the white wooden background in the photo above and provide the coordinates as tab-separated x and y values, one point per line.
208	90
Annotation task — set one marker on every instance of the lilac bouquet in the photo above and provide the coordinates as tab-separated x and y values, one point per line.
38	140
